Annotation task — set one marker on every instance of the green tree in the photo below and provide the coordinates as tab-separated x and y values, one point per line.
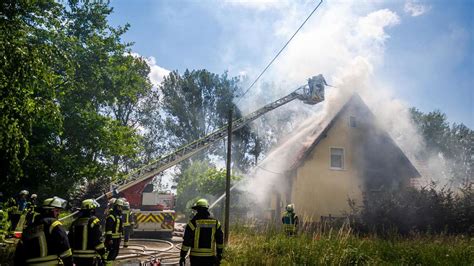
29	81
198	103
68	113
201	179
455	142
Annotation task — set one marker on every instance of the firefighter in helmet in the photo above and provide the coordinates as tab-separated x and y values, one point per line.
128	223
203	237
85	236
17	208
31	209
113	229
290	220
45	241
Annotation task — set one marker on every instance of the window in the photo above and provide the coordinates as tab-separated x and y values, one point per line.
337	158
352	121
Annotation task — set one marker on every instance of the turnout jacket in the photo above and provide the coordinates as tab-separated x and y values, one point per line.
203	236
113	226
128	218
44	243
85	237
290	221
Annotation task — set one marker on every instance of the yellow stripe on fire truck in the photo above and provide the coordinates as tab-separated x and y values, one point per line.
153	218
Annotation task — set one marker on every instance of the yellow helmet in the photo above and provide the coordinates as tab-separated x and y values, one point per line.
24	192
89	204
201	203
55	202
119	203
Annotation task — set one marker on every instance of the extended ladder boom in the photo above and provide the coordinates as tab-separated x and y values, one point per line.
312	93
189	150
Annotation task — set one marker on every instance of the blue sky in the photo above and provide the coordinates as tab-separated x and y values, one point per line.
421	52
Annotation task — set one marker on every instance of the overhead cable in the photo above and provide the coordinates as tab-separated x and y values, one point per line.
281	50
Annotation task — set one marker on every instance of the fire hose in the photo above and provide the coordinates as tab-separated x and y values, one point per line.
168	255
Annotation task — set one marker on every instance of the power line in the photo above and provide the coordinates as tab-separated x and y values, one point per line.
286	44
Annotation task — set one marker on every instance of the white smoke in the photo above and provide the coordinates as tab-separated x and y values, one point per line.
347	45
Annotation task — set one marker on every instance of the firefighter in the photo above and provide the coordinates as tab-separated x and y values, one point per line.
31	211
113	229
290	220
128	223
85	236
203	237
17	210
45	241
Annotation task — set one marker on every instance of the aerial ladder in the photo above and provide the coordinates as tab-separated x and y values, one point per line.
132	186
311	93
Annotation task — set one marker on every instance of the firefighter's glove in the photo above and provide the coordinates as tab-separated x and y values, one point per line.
182	261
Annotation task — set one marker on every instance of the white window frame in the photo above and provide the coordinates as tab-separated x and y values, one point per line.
343	159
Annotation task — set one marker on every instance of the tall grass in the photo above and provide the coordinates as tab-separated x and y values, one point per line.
268	246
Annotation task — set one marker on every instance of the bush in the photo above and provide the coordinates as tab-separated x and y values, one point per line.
427	210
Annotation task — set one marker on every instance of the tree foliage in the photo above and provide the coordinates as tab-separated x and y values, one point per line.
201	179
455	142
198	103
69	95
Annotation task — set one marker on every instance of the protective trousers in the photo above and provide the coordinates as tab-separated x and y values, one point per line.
113	249
127	230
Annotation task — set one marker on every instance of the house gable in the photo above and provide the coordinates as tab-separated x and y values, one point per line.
371	161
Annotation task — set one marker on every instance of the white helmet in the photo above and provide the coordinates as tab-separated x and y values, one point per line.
290	207
126	205
54	202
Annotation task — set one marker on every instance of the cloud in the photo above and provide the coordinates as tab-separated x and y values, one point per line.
259	5
157	73
415	9
373	25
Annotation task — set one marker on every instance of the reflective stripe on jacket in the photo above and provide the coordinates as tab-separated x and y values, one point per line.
128	218
290	221
45	243
113	226
203	237
85	238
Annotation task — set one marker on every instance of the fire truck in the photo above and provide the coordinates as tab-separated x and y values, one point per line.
155	211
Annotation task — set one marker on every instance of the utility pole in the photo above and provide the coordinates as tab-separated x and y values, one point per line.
227	182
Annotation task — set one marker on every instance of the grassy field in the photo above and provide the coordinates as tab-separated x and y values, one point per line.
270	247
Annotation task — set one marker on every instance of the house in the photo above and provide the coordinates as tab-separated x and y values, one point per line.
348	157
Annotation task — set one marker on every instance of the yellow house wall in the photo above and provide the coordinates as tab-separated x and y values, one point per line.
319	190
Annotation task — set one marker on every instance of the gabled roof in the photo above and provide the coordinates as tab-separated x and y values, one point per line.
328	122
